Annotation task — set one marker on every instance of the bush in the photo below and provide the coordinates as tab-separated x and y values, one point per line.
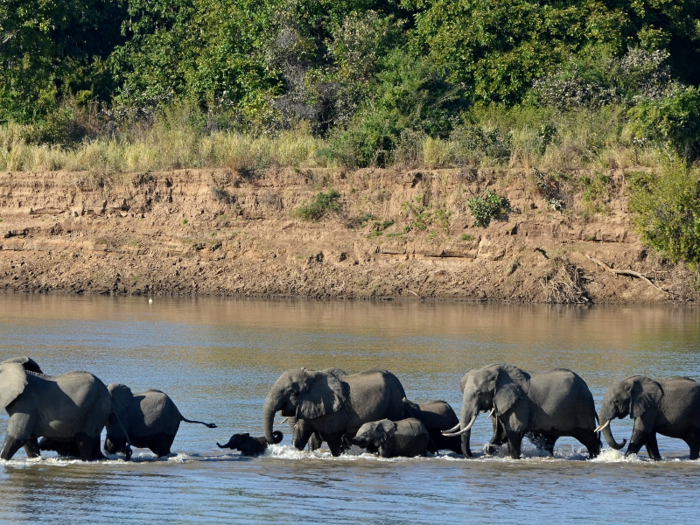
319	206
666	212
672	121
486	207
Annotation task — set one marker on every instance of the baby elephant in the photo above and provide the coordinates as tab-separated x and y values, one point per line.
251	446
150	420
390	439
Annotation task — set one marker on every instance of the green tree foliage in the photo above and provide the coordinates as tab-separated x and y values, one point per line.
53	47
667	212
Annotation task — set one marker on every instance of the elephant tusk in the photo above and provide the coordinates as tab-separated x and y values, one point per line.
601	427
493	411
464	430
284	420
453	429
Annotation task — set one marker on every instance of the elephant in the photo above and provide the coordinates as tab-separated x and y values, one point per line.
436	416
251	446
549	404
390	439
149	419
71	408
670	408
27	363
334	405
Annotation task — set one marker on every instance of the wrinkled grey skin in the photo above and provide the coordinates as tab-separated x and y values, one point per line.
71	408
549	404
150	419
670	408
334	405
302	432
251	446
436	416
390	439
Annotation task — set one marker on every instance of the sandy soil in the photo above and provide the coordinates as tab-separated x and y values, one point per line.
220	232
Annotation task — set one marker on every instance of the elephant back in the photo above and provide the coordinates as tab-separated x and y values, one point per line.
156	413
374	395
437	415
561	394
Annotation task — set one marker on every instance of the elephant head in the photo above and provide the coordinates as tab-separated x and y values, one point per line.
304	394
633	397
495	388
375	434
27	363
13	380
117	438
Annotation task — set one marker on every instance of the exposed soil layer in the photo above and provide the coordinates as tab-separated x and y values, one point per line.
398	234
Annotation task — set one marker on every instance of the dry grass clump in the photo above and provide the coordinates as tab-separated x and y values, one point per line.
564	285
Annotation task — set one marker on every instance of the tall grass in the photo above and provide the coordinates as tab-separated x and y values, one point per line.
489	137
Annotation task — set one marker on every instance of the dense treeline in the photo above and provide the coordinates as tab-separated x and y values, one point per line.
369	82
366	70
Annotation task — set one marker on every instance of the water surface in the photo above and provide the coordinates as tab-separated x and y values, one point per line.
218	358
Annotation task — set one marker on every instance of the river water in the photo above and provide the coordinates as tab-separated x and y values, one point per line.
218	358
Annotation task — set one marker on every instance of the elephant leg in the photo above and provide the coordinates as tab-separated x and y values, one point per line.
692	438
162	445
89	447
498	438
335	443
590	440
10	447
31	447
466	447
637	441
515	442
653	447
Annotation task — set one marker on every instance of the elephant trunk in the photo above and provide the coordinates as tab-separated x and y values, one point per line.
607	434
277	437
273	402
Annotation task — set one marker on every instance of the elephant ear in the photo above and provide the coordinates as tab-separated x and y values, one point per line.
511	385
13	380
323	395
121	397
463	381
383	432
645	393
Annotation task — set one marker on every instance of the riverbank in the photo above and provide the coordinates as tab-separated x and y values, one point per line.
395	234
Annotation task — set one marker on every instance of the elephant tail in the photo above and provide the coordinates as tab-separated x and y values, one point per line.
208	425
127	453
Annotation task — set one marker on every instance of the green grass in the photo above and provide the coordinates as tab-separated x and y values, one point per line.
319	206
489	137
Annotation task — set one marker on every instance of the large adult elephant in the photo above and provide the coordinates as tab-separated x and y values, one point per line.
551	404
671	408
334	405
71	408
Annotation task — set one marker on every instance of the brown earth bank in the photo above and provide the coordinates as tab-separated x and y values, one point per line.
398	234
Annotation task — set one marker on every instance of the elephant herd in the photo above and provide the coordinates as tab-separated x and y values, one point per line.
67	413
370	410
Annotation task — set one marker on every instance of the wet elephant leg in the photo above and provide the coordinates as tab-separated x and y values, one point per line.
515	442
31	447
89	447
10	447
637	441
590	440
335	443
653	447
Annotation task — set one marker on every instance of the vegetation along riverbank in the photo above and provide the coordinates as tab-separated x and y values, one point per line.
517	151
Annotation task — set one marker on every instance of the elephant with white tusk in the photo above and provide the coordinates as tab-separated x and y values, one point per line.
549	404
333	405
670	408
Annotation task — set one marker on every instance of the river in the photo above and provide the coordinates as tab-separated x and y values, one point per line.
217	358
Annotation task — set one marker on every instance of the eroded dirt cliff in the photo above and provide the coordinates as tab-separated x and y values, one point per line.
398	234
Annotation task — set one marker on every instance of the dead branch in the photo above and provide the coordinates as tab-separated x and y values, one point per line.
630	273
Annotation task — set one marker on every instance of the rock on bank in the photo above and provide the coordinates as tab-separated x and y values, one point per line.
397	234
